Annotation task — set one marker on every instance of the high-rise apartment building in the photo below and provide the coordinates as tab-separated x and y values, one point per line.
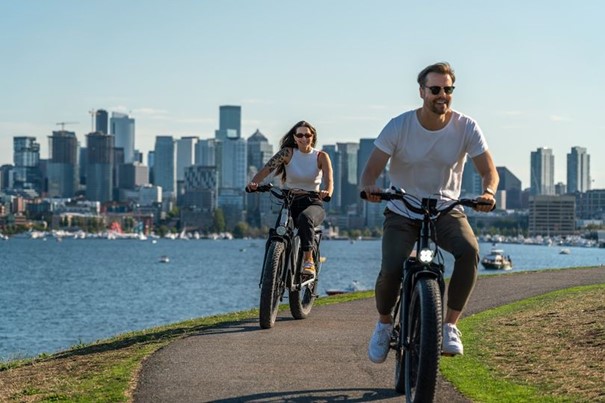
63	171
542	172
26	159
164	165
122	127
578	170
100	165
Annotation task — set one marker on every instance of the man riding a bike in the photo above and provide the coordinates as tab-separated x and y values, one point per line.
427	149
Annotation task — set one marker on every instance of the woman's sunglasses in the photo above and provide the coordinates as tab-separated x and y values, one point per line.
301	135
435	90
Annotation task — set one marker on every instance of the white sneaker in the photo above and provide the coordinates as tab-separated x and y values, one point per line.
452	345
380	343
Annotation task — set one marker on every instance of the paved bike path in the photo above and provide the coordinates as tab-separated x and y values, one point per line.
322	358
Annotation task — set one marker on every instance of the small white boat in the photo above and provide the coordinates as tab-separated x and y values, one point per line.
565	251
497	260
164	259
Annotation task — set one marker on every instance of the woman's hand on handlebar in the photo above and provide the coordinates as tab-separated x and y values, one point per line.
369	190
251	187
324	195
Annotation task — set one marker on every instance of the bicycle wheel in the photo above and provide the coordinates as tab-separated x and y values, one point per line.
271	286
301	301
424	350
399	349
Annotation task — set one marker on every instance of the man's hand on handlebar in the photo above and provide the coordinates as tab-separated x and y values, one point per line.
368	190
483	205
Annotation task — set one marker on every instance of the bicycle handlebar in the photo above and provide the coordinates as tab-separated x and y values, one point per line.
400	195
269	187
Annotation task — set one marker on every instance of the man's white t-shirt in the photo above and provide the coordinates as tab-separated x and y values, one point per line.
429	163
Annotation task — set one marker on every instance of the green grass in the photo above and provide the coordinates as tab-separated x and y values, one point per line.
471	373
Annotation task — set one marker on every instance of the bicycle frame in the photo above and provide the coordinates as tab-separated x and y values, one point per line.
286	232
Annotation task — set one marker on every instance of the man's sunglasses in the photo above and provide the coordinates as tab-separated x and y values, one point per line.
435	89
301	135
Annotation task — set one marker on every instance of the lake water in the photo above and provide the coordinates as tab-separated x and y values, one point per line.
57	294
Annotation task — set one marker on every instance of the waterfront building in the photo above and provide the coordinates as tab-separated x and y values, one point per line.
100	165
511	185
542	172
578	170
26	158
201	187
63	174
150	195
591	204
551	215
122	127
471	180
164	164
101	121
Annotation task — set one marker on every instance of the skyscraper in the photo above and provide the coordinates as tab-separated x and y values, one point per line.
164	166
512	186
348	173
259	150
185	155
542	172
99	172
122	127
26	158
205	152
578	170
63	173
101	121
230	122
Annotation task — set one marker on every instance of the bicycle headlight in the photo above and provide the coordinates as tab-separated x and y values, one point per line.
426	256
281	230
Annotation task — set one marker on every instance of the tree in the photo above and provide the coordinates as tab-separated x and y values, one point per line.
218	222
241	230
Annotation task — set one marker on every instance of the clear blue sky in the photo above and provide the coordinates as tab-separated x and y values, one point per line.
530	72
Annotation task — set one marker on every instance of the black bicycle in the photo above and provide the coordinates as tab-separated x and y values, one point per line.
418	313
282	267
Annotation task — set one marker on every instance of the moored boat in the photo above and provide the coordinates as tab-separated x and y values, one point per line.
497	260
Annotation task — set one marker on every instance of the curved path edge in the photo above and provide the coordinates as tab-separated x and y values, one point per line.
323	358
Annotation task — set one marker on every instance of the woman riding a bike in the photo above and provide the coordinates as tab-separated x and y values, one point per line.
303	167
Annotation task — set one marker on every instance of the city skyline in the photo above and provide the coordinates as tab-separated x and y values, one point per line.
524	71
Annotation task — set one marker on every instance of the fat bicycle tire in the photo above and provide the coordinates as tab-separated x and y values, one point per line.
301	301
271	286
424	335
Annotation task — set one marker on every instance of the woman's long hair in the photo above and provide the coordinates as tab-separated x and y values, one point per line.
289	141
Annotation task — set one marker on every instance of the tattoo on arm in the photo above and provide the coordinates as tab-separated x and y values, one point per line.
278	159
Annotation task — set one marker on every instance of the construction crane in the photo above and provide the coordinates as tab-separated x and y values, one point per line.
62	124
